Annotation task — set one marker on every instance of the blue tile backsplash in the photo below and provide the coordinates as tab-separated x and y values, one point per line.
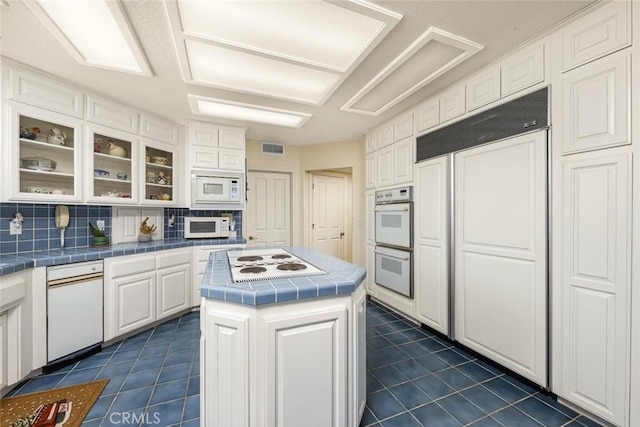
39	231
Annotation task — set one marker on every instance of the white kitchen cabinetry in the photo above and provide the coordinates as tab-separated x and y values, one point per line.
16	360
500	253
141	289
371	143
370	165
370	214
402	127
427	115
215	147
201	256
370	280
32	88
111	166
173	281
264	358
599	33
161	173
384	135
403	161
522	70
452	104
111	114
126	223
483	89
40	170
158	129
596	286
597	104
384	166
431	277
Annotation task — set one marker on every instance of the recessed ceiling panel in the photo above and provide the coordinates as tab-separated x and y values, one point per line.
430	56
312	32
230	69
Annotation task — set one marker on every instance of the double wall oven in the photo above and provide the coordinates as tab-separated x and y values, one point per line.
394	240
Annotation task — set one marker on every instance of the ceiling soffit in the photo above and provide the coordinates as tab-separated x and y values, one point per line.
430	56
270	50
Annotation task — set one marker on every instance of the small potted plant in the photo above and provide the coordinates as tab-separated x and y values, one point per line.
146	231
99	238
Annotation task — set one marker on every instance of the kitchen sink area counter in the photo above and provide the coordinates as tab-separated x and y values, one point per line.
286	351
341	278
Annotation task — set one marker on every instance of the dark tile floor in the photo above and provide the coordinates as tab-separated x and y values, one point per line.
414	378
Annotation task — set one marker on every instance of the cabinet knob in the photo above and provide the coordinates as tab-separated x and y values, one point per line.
253	238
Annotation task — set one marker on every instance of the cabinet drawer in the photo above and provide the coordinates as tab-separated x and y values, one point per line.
111	114
12	290
132	266
159	130
598	34
33	89
170	259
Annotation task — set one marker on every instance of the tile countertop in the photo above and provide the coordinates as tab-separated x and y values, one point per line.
341	278
22	261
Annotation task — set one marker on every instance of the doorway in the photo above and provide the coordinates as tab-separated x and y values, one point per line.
268	209
330	212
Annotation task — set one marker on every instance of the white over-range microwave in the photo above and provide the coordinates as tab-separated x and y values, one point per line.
212	191
206	227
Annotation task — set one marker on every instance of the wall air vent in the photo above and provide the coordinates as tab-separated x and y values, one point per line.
274	149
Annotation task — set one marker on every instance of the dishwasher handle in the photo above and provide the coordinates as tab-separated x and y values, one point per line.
74	280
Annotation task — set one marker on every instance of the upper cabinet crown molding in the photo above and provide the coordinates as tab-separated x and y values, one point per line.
598	34
111	114
522	70
38	90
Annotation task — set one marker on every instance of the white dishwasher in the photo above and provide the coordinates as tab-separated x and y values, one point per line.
74	308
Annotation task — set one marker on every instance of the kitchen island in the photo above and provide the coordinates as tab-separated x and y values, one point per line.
286	351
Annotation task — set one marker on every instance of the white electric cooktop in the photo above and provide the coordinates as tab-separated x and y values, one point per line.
265	264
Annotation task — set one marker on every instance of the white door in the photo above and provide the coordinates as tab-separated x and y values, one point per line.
500	255
269	209
327	214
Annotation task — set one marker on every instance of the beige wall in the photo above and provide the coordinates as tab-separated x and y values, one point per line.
298	161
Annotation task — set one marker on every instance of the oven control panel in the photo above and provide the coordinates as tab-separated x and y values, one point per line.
394	195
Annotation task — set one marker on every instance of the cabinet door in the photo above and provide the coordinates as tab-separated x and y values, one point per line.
160	173
403	127
111	173
159	130
295	343
596	283
500	257
371	270
403	161
371	143
599	33
4	365
173	290
204	157
231	159
427	115
431	268
358	354
597	105
231	138
522	70
370	214
483	89
384	166
135	302
370	161
111	114
42	91
385	135
38	170
202	134
452	104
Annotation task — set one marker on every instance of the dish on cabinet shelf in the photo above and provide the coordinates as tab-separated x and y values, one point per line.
158	160
56	137
121	175
115	150
38	163
101	172
29	133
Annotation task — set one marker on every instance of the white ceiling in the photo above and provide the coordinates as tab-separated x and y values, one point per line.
344	90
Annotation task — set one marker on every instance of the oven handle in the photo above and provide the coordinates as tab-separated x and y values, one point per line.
382	209
402	258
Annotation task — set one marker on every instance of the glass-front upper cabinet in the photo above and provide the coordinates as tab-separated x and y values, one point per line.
111	171
44	156
160	173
